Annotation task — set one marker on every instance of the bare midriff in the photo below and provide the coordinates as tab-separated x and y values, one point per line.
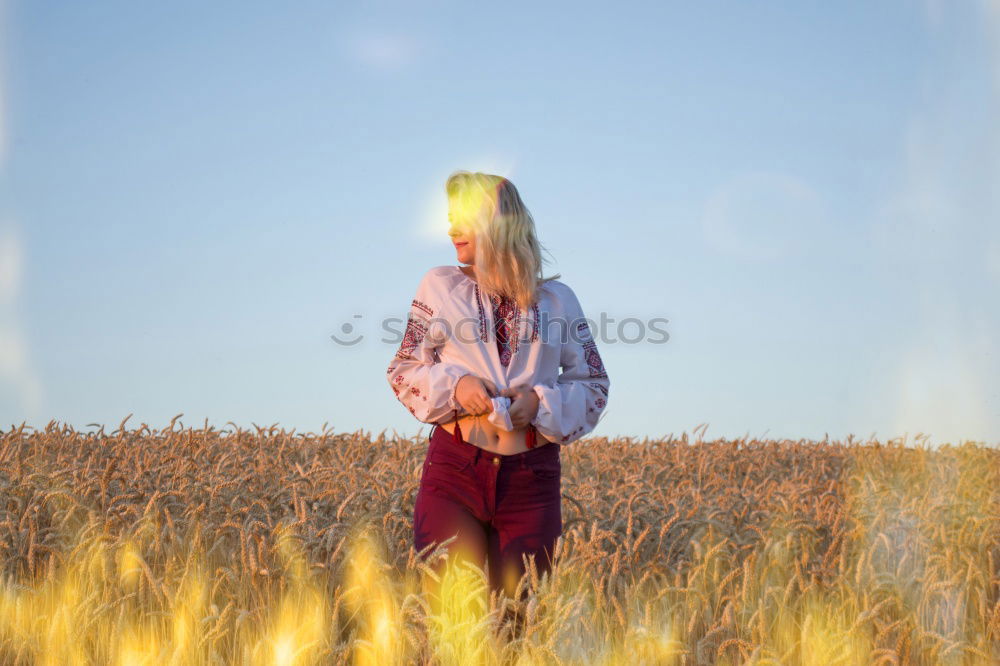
479	431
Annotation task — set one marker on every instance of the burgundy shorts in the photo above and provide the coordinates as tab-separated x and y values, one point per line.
500	506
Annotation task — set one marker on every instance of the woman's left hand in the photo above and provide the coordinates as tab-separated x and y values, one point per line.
523	406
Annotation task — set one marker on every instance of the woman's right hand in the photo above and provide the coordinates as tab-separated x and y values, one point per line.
474	394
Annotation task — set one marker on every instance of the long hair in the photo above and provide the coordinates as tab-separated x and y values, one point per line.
508	254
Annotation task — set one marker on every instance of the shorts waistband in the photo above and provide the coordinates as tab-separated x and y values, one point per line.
441	437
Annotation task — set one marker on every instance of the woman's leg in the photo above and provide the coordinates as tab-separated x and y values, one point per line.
528	520
527	533
437	518
445	507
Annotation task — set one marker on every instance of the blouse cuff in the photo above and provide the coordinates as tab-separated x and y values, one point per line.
453	387
549	415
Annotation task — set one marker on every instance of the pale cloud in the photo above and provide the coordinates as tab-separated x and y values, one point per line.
993	260
762	215
16	371
10	266
939	229
934	10
383	50
946	380
991	11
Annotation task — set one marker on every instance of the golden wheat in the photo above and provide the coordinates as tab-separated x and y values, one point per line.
261	546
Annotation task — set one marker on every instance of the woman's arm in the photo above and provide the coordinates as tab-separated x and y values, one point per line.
571	407
424	384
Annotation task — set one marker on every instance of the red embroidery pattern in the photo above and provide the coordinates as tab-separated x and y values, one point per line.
506	313
600	387
424	307
570	436
414	335
594	363
482	315
600	403
507	316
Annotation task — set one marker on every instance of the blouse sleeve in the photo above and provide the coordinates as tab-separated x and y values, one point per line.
571	407
424	384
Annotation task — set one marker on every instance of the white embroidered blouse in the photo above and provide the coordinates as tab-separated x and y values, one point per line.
451	332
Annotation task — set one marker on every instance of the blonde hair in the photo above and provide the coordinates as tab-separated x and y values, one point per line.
508	254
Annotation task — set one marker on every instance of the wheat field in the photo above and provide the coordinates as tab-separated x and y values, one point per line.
204	546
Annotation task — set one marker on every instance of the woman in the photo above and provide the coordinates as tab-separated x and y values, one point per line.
476	335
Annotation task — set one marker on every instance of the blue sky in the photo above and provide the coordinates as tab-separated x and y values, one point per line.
194	197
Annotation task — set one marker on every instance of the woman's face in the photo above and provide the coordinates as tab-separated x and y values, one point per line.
462	238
